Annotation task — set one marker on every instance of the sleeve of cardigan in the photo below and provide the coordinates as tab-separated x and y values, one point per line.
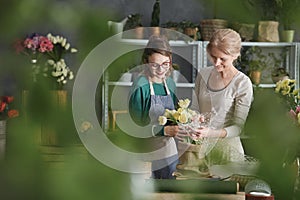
137	105
195	94
242	106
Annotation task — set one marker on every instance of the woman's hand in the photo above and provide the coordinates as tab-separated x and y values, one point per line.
171	131
204	132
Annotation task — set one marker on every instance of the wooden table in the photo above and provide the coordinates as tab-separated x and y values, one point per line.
189	196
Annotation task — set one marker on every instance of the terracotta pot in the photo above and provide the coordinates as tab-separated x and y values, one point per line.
255	77
192	32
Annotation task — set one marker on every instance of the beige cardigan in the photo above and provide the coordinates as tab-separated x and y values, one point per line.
230	104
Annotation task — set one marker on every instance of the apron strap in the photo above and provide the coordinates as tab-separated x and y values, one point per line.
152	89
167	89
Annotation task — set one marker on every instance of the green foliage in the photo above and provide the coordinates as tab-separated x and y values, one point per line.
170	24
155	14
187	24
24	174
279	71
266	9
254	59
288	12
274	137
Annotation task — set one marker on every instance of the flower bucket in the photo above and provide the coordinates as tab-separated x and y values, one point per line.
49	135
2	138
192	162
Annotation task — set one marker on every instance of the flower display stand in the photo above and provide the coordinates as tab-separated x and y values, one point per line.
46	131
49	132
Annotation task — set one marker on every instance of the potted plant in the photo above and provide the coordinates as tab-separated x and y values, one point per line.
268	11
170	30
279	74
155	19
246	30
134	21
189	28
256	62
287	16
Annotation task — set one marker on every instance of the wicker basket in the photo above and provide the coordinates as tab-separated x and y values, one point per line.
208	26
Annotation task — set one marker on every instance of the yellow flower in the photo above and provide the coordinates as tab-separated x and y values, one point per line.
296	92
176	115
184	103
182	115
168	113
183	118
162	120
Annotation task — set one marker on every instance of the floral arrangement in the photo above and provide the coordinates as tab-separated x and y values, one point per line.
5	111
187	119
48	51
182	115
291	97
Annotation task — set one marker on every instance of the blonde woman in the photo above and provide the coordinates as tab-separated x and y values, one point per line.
226	93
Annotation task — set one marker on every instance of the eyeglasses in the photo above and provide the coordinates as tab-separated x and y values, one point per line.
164	65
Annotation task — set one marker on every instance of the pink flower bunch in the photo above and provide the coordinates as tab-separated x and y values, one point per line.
295	114
38	43
47	56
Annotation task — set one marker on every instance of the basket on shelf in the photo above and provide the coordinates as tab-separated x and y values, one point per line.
208	26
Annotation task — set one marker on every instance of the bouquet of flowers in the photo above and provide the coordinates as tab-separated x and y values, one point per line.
182	115
186	118
290	96
48	51
5	111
